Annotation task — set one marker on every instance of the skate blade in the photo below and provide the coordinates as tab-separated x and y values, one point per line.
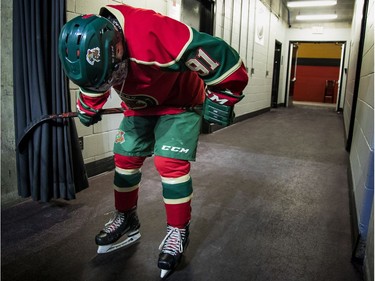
164	273
132	238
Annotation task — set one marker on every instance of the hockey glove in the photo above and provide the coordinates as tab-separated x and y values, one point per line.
87	115
218	107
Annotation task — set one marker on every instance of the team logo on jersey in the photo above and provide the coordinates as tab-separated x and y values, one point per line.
138	101
120	137
93	55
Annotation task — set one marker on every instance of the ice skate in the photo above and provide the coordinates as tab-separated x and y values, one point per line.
171	249
122	224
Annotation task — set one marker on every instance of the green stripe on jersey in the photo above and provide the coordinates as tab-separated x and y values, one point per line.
210	56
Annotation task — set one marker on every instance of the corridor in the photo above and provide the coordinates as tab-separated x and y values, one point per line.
271	203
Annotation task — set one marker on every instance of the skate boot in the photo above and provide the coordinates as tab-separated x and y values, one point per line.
171	248
121	224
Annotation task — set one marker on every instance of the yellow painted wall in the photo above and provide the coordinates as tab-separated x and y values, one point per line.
319	50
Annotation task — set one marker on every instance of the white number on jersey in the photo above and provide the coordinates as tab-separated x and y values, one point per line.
202	63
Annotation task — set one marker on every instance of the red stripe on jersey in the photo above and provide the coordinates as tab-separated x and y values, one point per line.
145	31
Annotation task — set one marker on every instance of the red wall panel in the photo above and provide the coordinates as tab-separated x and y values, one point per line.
310	83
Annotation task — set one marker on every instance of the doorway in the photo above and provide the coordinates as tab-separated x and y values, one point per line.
276	75
315	73
292	67
198	14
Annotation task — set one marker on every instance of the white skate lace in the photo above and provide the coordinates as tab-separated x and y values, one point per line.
172	243
114	223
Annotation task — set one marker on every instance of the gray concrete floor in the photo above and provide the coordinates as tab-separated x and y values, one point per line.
270	203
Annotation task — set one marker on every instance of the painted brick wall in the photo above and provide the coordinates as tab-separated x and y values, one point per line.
236	22
362	149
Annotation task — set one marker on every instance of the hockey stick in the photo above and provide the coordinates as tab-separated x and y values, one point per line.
29	129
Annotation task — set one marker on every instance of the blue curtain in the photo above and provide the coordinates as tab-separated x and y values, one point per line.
51	165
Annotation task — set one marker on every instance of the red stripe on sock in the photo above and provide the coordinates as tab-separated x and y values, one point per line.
124	201
178	215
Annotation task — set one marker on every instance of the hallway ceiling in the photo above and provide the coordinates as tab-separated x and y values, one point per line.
344	10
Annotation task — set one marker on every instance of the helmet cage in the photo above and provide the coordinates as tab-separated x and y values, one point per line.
117	76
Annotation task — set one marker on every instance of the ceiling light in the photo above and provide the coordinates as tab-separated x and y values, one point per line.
317	17
296	4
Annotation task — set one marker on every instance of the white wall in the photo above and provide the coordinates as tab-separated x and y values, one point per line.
236	22
362	148
363	136
352	65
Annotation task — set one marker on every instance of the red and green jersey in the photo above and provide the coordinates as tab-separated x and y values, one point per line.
170	63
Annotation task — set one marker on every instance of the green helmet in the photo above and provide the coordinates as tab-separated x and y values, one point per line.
87	50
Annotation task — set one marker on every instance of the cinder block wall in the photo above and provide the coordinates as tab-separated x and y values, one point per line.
8	143
237	23
362	148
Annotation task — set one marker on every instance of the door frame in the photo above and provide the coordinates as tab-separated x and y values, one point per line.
276	74
341	77
289	69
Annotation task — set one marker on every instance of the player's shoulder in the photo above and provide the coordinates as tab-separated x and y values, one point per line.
139	15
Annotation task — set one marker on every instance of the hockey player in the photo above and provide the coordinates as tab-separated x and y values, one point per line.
162	69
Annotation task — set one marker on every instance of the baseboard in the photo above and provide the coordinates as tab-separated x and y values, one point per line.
100	166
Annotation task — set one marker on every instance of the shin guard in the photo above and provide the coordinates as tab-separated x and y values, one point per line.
126	181
177	189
